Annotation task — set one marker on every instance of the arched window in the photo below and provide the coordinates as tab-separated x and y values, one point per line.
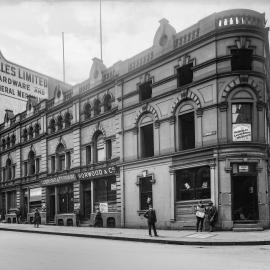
31	132
107	103
31	163
13	139
242	116
37	129
146	136
67	119
87	111
3	144
60	155
52	125
60	122
185	127
8	142
9	169
97	107
25	134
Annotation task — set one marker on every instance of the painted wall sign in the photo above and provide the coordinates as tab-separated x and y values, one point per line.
59	180
19	82
241	132
97	173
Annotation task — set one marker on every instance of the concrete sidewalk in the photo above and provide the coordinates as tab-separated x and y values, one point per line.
175	237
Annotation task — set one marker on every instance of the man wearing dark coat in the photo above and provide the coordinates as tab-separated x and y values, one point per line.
152	219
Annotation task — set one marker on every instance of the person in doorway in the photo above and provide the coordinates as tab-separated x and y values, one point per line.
212	215
37	218
200	215
151	220
98	219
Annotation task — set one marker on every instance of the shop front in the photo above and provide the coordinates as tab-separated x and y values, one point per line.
60	200
99	192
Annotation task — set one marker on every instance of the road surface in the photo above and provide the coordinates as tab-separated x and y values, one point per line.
26	251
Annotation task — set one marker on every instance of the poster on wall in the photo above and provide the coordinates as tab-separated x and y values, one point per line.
103	207
19	82
241	132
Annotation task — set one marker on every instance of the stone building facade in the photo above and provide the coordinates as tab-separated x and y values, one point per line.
183	121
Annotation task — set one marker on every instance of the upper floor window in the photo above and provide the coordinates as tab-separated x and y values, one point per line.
87	111
8	169
146	136
108	149
25	134
60	122
60	152
241	121
67	120
88	154
186	127
97	107
3	144
100	148
145	90
37	129
193	184
52	125
185	75
31	163
13	139
241	59
107	103
31	132
8	142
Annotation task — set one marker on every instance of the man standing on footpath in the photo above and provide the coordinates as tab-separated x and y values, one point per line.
152	219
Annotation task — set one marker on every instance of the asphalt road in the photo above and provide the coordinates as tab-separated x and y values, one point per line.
25	251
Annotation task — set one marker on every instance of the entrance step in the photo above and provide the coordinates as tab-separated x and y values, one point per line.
52	223
247	227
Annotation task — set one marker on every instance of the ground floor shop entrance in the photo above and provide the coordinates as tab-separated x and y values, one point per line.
86	200
245	198
51	203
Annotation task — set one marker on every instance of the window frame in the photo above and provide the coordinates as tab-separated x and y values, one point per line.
143	89
178	73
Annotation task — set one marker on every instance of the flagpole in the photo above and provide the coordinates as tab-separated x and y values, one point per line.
63	44
100	30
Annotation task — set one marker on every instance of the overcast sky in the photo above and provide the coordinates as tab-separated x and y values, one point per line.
30	31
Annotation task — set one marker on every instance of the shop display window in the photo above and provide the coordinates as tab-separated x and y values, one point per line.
193	184
65	198
35	198
11	199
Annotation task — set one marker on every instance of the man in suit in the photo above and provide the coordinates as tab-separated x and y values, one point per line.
152	219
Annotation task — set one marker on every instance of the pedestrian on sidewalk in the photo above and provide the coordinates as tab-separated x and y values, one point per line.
200	215
212	215
37	218
152	219
98	219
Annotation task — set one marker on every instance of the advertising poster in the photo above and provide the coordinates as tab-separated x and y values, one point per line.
241	132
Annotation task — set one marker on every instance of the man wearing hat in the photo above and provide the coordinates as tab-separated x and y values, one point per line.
152	219
212	215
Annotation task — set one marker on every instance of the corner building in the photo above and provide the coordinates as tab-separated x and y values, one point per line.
183	121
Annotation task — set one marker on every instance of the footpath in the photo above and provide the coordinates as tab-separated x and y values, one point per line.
175	237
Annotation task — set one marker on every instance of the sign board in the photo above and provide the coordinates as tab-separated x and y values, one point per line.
97	173
19	82
35	194
241	132
103	207
243	168
113	186
59	180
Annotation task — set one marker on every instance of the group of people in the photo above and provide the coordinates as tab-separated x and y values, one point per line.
202	212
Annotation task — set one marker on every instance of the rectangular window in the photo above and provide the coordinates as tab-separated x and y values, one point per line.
13	171
100	151
68	160
37	165
147	141
185	75
105	192
11	199
61	162
88	154
186	131
53	164
241	122
25	168
193	184
4	174
241	59
145	90
109	149
145	191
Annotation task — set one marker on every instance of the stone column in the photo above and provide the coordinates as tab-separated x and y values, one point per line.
92	152
198	128
213	183
92	196
172	199
56	201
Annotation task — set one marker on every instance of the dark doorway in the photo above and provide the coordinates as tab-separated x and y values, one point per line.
245	198
51	207
86	201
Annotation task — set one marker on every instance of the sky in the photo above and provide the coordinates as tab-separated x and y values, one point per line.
31	30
